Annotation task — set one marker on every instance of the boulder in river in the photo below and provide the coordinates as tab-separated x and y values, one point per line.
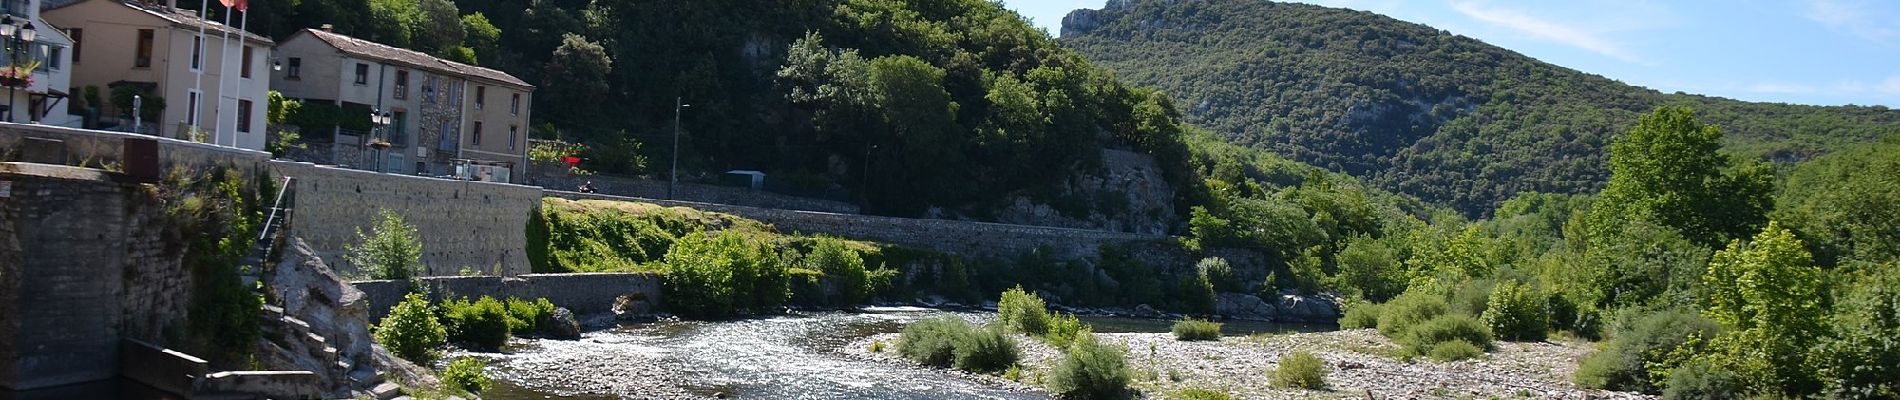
561	324
1244	307
1294	307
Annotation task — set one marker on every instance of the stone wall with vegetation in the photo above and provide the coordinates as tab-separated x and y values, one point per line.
584	293
475	226
555	176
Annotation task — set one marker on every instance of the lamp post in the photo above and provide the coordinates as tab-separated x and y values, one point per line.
674	179
378	121
17	37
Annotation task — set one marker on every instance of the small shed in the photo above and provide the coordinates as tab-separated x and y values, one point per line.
754	180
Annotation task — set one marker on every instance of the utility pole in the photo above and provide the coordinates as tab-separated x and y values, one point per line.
674	179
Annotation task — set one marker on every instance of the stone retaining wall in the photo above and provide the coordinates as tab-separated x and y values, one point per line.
480	226
555	176
590	293
959	237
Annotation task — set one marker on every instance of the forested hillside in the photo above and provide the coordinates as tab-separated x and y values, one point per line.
906	104
1412	108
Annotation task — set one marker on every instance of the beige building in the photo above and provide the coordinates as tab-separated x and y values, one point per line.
446	118
209	82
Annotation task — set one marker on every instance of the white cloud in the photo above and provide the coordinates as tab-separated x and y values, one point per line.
1891	86
1857	17
1548	30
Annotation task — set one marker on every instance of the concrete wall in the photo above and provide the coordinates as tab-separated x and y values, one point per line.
582	293
98	148
479	225
960	237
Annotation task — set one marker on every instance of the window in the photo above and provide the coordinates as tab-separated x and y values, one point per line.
448	128
79	37
191	108
399	126
49	58
244	116
402	84
144	57
513	134
514	104
295	69
422	168
362	74
197	52
481	93
428	89
244	70
478	133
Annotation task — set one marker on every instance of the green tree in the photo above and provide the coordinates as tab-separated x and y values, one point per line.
393	22
1669	170
576	81
438	30
411	330
1862	360
1846	205
482	35
392	249
1768	290
844	268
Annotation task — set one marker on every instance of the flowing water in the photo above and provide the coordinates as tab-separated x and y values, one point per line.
786	357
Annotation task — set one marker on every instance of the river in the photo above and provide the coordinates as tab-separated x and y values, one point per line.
782	357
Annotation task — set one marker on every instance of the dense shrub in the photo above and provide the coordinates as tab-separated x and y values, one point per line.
411	331
1198	394
483	323
1300	370
1454	350
465	374
844	267
1196	330
1022	312
1064	328
1702	380
1470	297
1090	369
714	277
1219	273
985	350
933	341
525	316
1420	340
392	249
1517	313
1411	308
1862	360
1194	294
1622	363
1361	315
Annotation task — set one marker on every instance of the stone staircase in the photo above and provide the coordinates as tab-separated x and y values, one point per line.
268	238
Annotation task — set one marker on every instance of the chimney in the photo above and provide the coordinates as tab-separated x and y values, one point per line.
171	5
324	27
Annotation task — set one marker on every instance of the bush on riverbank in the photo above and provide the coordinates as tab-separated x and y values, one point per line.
482	324
1190	329
1623	364
1090	369
411	330
1422	339
1022	312
717	277
1516	312
1199	394
951	342
466	374
1063	329
1454	350
1361	315
525	316
1300	370
1410	308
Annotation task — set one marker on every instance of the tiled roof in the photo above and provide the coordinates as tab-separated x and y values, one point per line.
378	51
180	17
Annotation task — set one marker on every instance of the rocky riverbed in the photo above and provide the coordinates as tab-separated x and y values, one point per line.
1359	364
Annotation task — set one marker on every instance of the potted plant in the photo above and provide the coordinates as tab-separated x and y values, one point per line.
18	76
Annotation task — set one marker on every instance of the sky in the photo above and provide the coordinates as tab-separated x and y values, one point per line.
1824	52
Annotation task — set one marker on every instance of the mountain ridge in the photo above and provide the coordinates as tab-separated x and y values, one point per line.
1412	108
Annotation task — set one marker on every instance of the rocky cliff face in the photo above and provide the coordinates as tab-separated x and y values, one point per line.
318	322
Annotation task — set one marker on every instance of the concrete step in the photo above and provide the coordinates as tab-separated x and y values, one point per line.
386	391
313	337
365	376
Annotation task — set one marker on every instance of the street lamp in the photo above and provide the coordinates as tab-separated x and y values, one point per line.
678	103
17	37
378	121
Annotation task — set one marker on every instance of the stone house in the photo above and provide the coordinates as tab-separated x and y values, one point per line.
445	118
209	76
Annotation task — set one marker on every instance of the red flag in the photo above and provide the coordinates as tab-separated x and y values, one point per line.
243	5
226	3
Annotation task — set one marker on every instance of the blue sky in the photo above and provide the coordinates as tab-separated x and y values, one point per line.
1827	52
